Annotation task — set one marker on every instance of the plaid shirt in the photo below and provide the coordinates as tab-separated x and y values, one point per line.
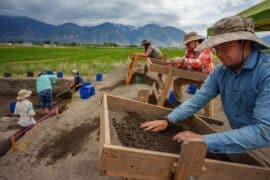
198	61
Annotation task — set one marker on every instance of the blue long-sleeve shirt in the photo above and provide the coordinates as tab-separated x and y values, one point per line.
246	103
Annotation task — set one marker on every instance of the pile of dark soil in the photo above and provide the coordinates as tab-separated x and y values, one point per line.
131	135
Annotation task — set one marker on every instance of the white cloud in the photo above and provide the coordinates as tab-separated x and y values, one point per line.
189	15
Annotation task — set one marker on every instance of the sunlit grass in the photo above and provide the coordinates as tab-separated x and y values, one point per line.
88	60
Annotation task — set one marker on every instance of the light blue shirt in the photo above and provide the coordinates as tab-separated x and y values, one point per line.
246	103
45	82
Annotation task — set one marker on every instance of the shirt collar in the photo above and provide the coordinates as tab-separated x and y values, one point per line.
251	60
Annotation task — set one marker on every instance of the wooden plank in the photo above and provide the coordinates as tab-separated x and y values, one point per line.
187	74
191	159
129	105
143	95
233	171
159	68
165	89
130	70
105	124
144	164
159	62
200	126
137	56
155	91
136	163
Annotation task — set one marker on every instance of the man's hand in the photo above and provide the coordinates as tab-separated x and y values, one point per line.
186	135
155	126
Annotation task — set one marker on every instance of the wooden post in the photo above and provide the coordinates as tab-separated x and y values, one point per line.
165	89
191	159
130	70
134	58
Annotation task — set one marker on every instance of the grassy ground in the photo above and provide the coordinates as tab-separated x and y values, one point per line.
89	60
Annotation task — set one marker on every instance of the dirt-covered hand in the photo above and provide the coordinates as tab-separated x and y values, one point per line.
155	126
186	135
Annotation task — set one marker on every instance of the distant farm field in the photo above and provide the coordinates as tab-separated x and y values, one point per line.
88	60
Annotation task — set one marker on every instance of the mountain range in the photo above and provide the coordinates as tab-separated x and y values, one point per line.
20	28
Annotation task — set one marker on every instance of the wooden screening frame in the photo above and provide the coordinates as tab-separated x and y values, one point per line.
115	160
173	72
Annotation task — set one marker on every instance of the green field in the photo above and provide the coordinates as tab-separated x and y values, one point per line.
89	60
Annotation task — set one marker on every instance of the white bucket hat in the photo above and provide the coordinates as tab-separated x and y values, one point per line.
232	29
23	94
74	71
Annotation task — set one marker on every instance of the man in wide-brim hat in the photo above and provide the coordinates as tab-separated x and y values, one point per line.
150	50
242	81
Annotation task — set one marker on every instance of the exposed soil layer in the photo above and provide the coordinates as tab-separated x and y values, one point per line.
131	135
69	142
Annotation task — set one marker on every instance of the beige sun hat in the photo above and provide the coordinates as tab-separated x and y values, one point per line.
74	71
23	94
231	29
145	42
192	36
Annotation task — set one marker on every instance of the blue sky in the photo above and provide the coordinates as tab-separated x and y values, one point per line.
189	15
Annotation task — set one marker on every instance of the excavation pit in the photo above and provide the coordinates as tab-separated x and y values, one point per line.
8	94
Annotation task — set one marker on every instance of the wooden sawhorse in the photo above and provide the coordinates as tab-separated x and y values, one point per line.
161	91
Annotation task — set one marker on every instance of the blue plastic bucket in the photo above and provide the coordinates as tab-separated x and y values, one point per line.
50	72
91	89
59	74
172	98
84	92
191	89
99	77
87	90
12	106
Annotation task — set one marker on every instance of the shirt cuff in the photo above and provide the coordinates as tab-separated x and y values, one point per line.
172	118
214	144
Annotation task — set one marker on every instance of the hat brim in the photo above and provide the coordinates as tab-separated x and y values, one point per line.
233	36
194	39
28	94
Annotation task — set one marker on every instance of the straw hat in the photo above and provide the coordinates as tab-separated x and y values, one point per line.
23	94
145	42
231	29
192	36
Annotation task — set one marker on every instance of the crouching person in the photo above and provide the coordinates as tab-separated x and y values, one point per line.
78	80
24	108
